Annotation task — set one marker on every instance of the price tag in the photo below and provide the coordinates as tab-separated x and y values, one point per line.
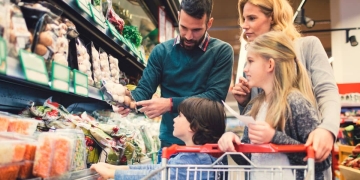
3	54
80	83
34	67
84	5
60	77
97	16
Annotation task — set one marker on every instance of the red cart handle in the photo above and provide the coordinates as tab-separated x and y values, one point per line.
244	148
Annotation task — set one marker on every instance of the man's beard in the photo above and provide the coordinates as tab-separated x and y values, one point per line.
195	43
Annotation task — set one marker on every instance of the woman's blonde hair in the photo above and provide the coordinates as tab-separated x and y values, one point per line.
280	11
289	76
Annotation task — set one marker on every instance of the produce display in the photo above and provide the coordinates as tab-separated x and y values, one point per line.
83	59
9	171
116	20
104	66
11	151
114	69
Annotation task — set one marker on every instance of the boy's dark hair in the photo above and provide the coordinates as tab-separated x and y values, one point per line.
206	118
197	8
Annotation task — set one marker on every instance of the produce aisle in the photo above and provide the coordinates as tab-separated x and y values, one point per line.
55	57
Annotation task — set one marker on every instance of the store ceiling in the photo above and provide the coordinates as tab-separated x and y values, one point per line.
225	26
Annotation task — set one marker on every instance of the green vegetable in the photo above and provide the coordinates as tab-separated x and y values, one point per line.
133	35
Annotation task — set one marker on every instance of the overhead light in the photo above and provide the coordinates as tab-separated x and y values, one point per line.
302	19
351	39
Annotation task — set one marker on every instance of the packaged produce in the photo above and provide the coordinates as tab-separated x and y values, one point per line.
92	149
53	155
83	60
147	139
19	35
115	20
117	95
22	125
11	151
101	137
95	60
62	154
43	156
111	155
4	121
114	69
9	171
104	65
26	169
78	160
29	141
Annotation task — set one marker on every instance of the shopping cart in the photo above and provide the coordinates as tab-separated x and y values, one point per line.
222	171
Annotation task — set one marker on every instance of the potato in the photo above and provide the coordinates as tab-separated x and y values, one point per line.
45	38
12	37
120	89
132	105
127	100
40	49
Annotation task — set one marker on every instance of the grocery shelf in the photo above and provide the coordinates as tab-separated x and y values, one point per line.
17	93
128	62
350	104
171	8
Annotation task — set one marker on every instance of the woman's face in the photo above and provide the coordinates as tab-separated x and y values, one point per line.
256	22
256	70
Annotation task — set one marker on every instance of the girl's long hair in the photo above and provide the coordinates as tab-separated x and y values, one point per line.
289	76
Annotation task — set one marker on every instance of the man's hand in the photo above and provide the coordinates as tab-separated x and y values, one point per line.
241	91
322	141
121	110
260	132
155	107
227	140
105	172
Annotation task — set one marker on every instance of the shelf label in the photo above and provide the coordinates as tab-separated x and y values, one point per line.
34	67
80	83
84	5
97	16
3	54
60	77
3	50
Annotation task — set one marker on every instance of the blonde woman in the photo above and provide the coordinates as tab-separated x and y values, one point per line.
261	16
285	111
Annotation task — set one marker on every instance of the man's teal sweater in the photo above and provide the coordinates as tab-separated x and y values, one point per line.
184	73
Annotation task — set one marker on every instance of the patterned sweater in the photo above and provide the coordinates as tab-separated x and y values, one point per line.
304	119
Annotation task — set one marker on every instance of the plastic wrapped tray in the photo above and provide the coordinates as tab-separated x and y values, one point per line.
22	125
11	151
10	171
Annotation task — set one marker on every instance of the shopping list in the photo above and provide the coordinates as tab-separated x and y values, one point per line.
245	119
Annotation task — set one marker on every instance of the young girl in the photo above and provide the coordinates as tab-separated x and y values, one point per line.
200	121
285	112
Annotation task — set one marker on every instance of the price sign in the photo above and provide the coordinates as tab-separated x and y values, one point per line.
80	83
33	67
97	16
84	5
3	54
60	77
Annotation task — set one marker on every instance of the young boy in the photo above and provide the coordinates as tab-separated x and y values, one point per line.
200	121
